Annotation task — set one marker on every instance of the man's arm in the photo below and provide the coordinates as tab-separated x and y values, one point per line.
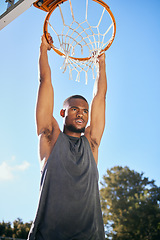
46	124
97	117
44	108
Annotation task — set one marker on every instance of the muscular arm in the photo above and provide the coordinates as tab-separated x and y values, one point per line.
47	127
97	118
44	109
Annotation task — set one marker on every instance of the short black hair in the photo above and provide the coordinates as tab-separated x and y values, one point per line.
74	96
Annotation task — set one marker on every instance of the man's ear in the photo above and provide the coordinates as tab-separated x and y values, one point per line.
62	113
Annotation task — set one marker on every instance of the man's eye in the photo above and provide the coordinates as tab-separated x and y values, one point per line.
74	109
85	111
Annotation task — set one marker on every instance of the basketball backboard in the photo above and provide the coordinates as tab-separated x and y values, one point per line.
10	9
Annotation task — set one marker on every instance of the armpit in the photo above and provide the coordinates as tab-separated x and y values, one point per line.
94	144
48	134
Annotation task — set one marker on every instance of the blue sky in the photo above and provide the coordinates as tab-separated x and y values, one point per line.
132	133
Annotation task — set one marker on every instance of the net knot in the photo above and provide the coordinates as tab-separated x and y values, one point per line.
66	49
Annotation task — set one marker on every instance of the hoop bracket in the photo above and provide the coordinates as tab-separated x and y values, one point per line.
45	5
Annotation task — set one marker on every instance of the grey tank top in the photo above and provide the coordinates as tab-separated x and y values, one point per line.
69	204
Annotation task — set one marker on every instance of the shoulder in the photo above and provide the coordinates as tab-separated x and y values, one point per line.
47	140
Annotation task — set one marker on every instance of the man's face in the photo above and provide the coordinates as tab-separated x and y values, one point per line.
76	115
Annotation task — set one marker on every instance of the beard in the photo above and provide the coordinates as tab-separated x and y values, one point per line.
75	130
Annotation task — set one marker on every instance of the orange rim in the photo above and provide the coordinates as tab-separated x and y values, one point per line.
55	5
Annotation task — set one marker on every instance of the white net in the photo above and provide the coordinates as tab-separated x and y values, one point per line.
82	40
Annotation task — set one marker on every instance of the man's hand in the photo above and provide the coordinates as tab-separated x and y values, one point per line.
44	42
101	58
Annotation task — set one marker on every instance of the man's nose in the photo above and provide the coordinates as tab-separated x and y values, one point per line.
79	113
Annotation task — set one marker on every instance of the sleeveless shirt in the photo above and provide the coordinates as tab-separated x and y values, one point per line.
69	205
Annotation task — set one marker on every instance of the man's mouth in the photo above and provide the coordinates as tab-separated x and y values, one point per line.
79	120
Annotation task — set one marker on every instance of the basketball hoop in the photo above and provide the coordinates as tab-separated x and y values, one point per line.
79	42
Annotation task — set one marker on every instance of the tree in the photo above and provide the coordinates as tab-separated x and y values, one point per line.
2	228
130	205
19	229
5	229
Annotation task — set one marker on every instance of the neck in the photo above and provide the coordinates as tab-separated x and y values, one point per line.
70	133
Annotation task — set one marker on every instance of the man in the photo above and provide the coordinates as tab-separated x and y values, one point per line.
69	205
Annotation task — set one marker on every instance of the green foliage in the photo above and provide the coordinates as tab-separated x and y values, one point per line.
19	229
130	205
